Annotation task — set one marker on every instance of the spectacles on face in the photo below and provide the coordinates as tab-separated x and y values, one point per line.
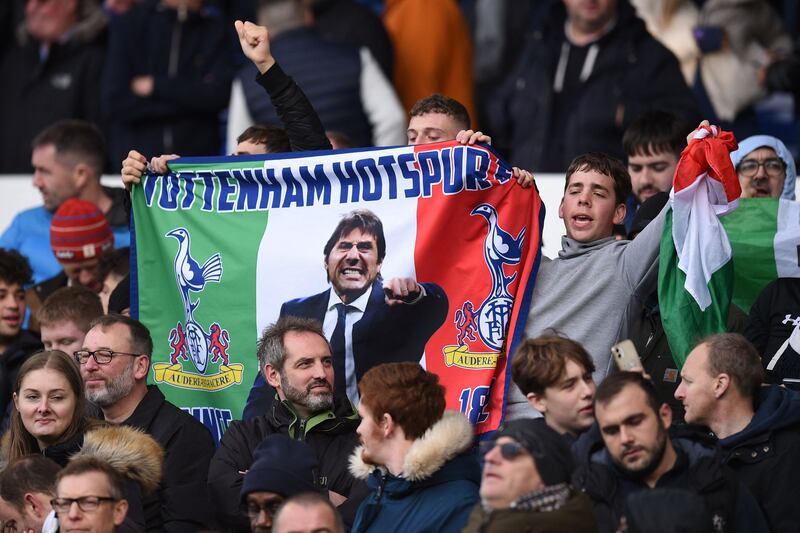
87	504
774	167
101	357
509	450
253	510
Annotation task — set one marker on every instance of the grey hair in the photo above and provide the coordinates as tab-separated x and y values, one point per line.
271	349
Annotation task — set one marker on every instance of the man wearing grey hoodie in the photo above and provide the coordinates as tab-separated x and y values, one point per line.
585	292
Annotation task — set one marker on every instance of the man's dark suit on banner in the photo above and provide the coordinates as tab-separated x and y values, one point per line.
368	322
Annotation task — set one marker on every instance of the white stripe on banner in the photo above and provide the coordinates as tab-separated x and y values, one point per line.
700	240
787	240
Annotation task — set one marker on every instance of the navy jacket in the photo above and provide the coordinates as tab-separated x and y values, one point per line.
385	334
765	455
438	487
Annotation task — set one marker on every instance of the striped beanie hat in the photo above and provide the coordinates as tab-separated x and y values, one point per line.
79	231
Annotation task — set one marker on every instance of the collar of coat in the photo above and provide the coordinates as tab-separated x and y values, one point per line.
444	440
132	452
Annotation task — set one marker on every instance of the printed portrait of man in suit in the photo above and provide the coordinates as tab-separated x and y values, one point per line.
368	320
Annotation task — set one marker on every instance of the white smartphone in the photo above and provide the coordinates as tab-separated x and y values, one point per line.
625	355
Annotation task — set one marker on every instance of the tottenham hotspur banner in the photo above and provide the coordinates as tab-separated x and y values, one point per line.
224	246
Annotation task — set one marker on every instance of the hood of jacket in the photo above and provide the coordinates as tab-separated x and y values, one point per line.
428	455
768	141
132	452
778	408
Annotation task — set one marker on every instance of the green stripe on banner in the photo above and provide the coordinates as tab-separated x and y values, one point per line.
684	323
161	310
751	230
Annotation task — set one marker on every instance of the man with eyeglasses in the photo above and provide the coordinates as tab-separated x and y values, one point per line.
765	168
525	483
283	467
90	497
114	363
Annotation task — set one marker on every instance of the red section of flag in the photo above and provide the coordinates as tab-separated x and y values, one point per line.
709	154
451	248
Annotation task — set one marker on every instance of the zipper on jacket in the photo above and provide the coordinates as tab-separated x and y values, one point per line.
301	429
379	492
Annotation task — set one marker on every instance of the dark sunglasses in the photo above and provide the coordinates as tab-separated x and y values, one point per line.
509	450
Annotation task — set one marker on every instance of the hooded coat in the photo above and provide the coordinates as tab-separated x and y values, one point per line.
765	456
436	491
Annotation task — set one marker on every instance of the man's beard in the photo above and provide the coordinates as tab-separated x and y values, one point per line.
655	459
314	402
114	389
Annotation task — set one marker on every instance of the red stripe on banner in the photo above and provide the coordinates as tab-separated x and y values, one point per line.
712	155
452	248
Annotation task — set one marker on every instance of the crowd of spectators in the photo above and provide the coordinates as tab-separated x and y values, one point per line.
335	438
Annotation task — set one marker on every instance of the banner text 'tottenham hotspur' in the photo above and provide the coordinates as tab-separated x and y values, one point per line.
277	184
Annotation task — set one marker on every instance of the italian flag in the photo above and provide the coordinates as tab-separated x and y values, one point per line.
765	238
695	278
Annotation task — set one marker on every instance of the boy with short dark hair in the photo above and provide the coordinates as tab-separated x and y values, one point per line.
16	344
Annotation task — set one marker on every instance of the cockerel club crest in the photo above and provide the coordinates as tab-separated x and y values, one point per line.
189	340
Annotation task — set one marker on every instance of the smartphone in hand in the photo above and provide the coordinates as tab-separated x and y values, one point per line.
625	355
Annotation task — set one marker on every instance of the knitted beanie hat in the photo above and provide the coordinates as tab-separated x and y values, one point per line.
79	231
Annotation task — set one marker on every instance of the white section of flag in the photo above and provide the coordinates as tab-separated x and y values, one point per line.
700	240
787	240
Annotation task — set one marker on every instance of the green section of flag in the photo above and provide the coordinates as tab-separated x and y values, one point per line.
160	302
684	323
751	230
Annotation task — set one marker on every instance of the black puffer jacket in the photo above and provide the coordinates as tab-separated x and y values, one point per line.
631	73
297	116
331	434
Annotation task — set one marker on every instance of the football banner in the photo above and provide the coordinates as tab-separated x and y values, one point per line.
221	244
765	238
